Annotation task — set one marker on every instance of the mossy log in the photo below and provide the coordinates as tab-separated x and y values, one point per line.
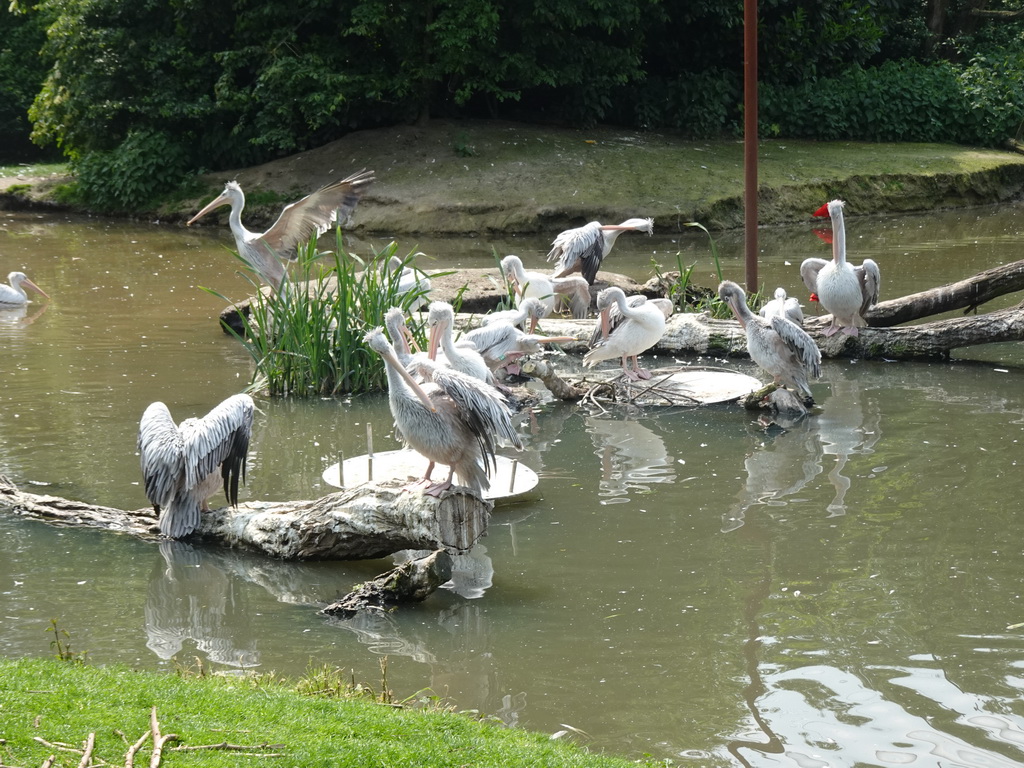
371	521
412	581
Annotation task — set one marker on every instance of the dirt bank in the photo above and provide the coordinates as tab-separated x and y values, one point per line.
488	177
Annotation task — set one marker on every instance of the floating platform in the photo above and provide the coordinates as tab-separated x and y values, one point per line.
688	387
511	478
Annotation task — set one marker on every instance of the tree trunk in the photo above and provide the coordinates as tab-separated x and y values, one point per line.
371	521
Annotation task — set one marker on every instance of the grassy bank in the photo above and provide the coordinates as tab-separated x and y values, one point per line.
63	702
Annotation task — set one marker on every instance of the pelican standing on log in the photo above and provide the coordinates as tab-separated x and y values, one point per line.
783	305
781	347
844	290
532	309
298	222
183	465
627	328
584	249
547	289
14	295
450	419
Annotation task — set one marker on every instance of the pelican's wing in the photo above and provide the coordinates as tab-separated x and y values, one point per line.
578	250
220	439
578	291
491	340
809	270
315	213
870	278
483	408
797	339
161	454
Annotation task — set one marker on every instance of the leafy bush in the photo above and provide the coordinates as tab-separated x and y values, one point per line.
146	164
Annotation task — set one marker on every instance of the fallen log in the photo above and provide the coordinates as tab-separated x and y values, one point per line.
412	581
372	521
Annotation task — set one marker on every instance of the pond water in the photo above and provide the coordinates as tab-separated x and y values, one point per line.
682	583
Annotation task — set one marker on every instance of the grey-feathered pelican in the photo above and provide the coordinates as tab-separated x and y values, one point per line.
627	328
583	249
784	305
14	295
298	222
532	309
183	465
546	288
450	419
781	347
502	343
844	290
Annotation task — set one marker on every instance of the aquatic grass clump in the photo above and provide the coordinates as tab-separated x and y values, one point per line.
306	339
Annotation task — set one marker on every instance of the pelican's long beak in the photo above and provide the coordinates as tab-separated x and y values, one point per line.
534	322
605	330
554	339
435	339
216	203
415	387
35	288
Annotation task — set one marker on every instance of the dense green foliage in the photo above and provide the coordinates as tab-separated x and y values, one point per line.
306	339
140	94
56	701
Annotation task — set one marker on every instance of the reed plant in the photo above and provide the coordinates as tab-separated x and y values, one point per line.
306	338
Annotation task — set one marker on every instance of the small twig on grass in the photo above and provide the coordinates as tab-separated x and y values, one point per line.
48	761
90	744
158	739
57	745
224	745
129	756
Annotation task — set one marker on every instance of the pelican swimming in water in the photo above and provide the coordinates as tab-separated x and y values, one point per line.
844	290
583	249
547	289
450	419
532	309
298	222
781	347
627	328
183	465
784	305
14	295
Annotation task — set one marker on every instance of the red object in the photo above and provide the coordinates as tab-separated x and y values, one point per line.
814	297
822	212
824	234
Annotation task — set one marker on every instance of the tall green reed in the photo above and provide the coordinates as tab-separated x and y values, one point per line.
306	339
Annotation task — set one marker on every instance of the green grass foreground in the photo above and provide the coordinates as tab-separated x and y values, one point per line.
60	701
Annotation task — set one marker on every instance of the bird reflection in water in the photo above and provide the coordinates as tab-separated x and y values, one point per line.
783	464
633	457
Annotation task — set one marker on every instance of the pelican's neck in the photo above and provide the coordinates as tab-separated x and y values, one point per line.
238	229
838	235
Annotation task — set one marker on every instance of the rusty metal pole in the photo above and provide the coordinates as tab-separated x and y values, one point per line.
750	141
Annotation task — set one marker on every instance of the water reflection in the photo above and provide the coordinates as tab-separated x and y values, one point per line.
632	456
784	462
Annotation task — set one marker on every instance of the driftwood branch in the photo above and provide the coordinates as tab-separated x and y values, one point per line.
371	521
412	581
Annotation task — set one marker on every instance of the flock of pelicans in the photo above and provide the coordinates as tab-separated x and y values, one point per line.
446	402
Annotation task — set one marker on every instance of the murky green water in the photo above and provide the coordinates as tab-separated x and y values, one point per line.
682	584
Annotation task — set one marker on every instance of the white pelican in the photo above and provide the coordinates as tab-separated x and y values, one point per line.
440	320
638	326
532	309
183	465
410	280
781	347
504	343
547	289
298	222
783	305
584	248
14	295
844	290
451	419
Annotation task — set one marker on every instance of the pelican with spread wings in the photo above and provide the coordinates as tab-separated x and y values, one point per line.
298	222
583	249
184	464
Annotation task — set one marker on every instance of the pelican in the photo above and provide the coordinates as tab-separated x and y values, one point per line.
844	290
781	347
183	465
783	305
14	295
440	319
451	419
532	309
410	280
313	214
638	326
502	343
584	248
547	289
